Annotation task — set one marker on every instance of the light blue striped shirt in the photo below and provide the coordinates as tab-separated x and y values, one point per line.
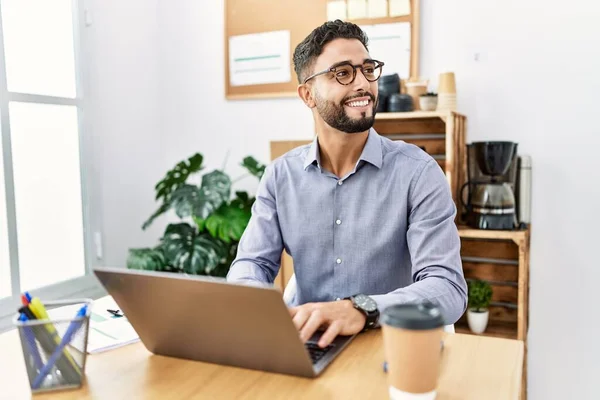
386	229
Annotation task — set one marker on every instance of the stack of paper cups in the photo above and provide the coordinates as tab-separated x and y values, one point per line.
446	92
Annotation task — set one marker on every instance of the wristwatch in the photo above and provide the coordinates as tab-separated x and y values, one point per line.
368	307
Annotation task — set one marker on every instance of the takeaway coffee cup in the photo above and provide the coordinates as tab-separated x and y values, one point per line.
412	335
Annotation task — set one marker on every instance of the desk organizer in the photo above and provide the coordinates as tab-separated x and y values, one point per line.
55	349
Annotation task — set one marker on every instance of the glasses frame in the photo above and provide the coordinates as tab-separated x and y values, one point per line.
333	68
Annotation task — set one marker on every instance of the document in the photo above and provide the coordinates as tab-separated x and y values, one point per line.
357	9
390	43
259	58
105	331
399	8
377	8
336	10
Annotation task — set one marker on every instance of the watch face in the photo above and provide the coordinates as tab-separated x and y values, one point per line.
365	302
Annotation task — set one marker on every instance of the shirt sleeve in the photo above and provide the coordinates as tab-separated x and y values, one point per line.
259	250
434	247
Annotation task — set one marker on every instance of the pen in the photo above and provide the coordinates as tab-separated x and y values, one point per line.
71	330
30	340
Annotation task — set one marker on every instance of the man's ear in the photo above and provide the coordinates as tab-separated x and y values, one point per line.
306	95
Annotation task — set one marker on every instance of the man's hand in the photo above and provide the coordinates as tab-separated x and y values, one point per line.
339	317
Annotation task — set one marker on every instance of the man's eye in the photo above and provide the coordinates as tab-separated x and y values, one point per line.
369	70
341	74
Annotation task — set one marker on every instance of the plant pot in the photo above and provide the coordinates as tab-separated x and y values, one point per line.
477	320
428	103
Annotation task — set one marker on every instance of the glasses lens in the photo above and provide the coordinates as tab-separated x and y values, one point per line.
344	74
371	70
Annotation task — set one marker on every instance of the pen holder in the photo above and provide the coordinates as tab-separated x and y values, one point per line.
55	348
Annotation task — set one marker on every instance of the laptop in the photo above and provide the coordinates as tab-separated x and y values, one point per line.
212	320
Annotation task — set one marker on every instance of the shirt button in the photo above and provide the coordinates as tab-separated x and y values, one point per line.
340	183
339	261
339	221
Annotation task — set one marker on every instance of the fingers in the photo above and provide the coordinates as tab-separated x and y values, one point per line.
330	334
300	317
313	323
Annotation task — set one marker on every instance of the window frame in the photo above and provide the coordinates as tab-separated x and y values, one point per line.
85	285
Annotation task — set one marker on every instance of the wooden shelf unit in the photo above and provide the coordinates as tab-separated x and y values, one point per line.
502	259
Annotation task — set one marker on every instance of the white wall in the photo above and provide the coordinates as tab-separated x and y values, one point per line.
159	100
124	117
537	83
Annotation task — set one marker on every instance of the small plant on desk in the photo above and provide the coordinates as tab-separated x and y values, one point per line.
480	295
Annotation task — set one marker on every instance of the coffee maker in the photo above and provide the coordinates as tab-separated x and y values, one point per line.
492	175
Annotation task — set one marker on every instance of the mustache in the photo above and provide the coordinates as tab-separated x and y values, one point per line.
361	94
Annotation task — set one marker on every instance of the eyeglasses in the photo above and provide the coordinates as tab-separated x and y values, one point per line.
345	72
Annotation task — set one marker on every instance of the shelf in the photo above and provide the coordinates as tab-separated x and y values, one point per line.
412	115
470	233
505	330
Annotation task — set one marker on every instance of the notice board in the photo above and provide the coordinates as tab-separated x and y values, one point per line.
261	35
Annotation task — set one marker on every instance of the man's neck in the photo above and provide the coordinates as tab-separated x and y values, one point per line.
340	151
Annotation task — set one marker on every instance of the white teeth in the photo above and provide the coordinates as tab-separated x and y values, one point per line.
358	103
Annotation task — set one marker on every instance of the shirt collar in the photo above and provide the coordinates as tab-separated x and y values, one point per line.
371	152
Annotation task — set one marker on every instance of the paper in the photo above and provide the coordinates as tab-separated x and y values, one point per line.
357	9
336	10
259	58
105	331
390	43
377	8
399	8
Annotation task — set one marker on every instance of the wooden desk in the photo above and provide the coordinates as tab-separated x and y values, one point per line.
473	367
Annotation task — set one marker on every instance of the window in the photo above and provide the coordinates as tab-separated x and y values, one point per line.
42	220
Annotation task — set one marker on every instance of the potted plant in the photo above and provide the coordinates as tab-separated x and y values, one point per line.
480	295
428	101
205	242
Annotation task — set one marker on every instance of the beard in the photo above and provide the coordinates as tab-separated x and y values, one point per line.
335	114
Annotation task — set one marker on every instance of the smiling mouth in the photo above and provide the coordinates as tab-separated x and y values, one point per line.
358	103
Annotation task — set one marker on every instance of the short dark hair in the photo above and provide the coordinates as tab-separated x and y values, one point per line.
311	47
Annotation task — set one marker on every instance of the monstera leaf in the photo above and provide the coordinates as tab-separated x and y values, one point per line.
174	179
147	259
189	200
177	176
191	252
228	223
254	167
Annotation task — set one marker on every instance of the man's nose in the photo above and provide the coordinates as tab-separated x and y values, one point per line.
360	82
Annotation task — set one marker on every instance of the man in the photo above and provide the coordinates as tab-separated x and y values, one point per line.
369	222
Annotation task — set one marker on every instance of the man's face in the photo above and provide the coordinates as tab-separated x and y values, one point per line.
347	108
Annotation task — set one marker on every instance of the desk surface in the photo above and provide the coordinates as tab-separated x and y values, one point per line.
473	367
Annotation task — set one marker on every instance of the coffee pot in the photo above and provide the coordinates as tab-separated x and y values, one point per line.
492	168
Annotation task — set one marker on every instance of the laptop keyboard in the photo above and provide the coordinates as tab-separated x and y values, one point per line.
316	352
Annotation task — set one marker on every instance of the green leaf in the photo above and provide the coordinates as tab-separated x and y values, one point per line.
147	259
191	252
254	167
177	176
242	200
189	200
228	222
